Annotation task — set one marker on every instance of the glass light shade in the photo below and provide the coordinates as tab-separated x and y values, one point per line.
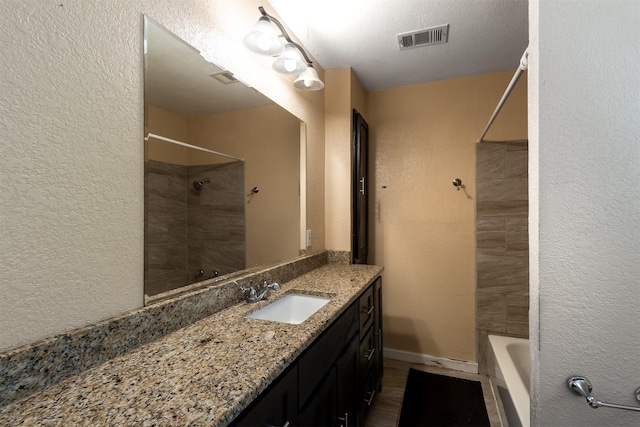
309	80
290	61
263	39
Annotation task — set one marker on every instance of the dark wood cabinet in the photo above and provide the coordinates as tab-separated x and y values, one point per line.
321	409
347	367
360	195
370	372
378	364
367	310
277	406
318	359
334	381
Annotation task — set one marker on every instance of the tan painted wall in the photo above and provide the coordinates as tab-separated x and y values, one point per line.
359	97
422	229
268	138
337	158
343	93
168	124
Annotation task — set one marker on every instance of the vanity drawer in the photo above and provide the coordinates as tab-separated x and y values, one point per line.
367	310
367	396
367	353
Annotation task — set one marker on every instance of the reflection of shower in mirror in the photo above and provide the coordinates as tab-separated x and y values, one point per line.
196	210
198	184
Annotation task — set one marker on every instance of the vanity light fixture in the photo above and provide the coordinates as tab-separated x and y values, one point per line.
308	80
290	61
292	58
263	39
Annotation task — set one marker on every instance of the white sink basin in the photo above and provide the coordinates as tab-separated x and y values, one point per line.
294	308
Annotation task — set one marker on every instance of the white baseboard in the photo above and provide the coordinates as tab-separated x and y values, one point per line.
428	360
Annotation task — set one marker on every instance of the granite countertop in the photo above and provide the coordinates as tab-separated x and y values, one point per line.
203	374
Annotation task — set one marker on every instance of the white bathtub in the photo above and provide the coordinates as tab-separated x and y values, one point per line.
509	371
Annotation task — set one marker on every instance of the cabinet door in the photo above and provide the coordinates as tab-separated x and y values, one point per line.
359	170
314	364
321	408
377	332
278	406
347	383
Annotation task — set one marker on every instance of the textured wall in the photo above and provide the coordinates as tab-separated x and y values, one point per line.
343	94
586	156
422	137
338	159
71	119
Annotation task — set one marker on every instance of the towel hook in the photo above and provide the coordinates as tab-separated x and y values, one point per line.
457	182
251	193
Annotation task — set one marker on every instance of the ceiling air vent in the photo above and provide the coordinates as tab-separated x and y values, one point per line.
225	77
420	38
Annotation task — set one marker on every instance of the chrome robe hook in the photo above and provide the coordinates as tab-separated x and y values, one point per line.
457	182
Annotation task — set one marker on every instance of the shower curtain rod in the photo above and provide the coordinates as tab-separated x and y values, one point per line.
524	64
184	144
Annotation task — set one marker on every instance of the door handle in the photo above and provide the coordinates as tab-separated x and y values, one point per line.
345	419
362	188
379	339
370	399
368	310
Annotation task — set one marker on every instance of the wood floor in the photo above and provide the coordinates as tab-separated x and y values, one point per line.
385	410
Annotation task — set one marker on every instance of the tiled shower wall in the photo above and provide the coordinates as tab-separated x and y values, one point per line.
188	230
502	243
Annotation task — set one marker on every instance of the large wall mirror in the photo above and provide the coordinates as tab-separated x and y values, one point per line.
222	171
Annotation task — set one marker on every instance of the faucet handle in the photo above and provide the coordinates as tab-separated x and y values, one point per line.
250	289
274	286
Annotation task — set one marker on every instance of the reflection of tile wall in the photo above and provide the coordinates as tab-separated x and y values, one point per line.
188	230
216	220
165	222
502	242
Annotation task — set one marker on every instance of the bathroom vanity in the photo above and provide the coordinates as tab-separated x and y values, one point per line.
334	381
227	367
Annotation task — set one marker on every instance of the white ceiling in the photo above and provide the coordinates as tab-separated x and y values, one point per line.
484	36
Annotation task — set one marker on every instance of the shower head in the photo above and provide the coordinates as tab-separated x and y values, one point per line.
198	184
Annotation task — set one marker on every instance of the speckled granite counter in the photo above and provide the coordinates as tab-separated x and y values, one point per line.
203	374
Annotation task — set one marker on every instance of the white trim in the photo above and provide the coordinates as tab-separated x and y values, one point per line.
427	359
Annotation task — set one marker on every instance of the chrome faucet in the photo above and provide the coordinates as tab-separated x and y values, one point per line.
255	296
